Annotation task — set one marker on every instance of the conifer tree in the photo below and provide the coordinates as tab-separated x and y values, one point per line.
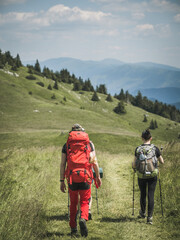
145	118
95	97
101	89
77	86
121	95
138	99
120	108
37	67
152	126
109	98
56	85
18	61
49	87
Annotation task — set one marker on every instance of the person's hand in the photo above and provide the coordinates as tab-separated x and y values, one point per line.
98	181
63	187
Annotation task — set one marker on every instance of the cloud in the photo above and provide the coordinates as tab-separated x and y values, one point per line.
138	15
14	17
165	5
75	14
137	6
104	32
8	2
177	18
108	1
149	30
144	27
116	48
54	15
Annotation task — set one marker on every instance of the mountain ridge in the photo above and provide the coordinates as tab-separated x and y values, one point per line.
116	74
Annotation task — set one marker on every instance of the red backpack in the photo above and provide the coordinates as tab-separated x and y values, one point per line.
78	152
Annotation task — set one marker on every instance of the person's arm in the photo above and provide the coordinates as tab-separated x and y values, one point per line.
159	156
62	172
96	169
161	160
93	161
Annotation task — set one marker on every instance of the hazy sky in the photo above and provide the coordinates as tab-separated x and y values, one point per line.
128	30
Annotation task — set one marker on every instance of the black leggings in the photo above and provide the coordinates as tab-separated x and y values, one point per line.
151	183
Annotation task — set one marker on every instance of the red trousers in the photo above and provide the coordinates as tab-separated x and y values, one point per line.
85	196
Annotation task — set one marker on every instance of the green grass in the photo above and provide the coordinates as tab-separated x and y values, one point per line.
31	204
17	110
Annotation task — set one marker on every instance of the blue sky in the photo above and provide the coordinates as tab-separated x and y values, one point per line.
128	30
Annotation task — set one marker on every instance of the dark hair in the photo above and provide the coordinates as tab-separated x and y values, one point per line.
146	135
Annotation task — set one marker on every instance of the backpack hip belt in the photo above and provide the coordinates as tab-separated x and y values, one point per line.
80	175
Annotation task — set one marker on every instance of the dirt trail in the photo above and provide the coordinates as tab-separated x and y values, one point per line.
115	220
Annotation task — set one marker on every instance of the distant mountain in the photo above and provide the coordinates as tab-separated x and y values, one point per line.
116	75
169	95
177	105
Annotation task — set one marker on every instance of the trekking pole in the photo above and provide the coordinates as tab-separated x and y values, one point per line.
97	201
68	206
160	189
133	193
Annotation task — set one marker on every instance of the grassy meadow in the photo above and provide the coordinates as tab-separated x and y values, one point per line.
31	204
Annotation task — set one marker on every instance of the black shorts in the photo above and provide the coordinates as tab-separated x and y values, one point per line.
79	186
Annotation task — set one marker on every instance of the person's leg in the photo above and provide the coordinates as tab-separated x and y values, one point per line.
90	204
85	196
142	186
73	207
151	189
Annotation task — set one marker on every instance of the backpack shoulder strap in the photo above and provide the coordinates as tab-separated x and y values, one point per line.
138	149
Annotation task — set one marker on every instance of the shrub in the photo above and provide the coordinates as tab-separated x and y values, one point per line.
40	84
31	77
14	68
56	85
53	96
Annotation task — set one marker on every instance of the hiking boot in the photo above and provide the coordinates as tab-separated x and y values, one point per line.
141	214
83	227
89	215
149	220
73	231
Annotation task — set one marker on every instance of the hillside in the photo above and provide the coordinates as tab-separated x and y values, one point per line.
21	111
33	128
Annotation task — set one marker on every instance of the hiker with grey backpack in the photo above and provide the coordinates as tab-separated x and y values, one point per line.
145	164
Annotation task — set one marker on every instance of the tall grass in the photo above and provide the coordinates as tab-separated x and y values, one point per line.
24	177
170	181
32	206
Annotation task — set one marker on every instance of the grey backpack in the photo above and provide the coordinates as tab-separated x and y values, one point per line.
146	161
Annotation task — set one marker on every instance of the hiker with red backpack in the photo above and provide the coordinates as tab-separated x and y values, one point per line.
145	163
78	155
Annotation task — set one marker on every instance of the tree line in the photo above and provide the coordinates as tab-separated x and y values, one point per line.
156	107
6	58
